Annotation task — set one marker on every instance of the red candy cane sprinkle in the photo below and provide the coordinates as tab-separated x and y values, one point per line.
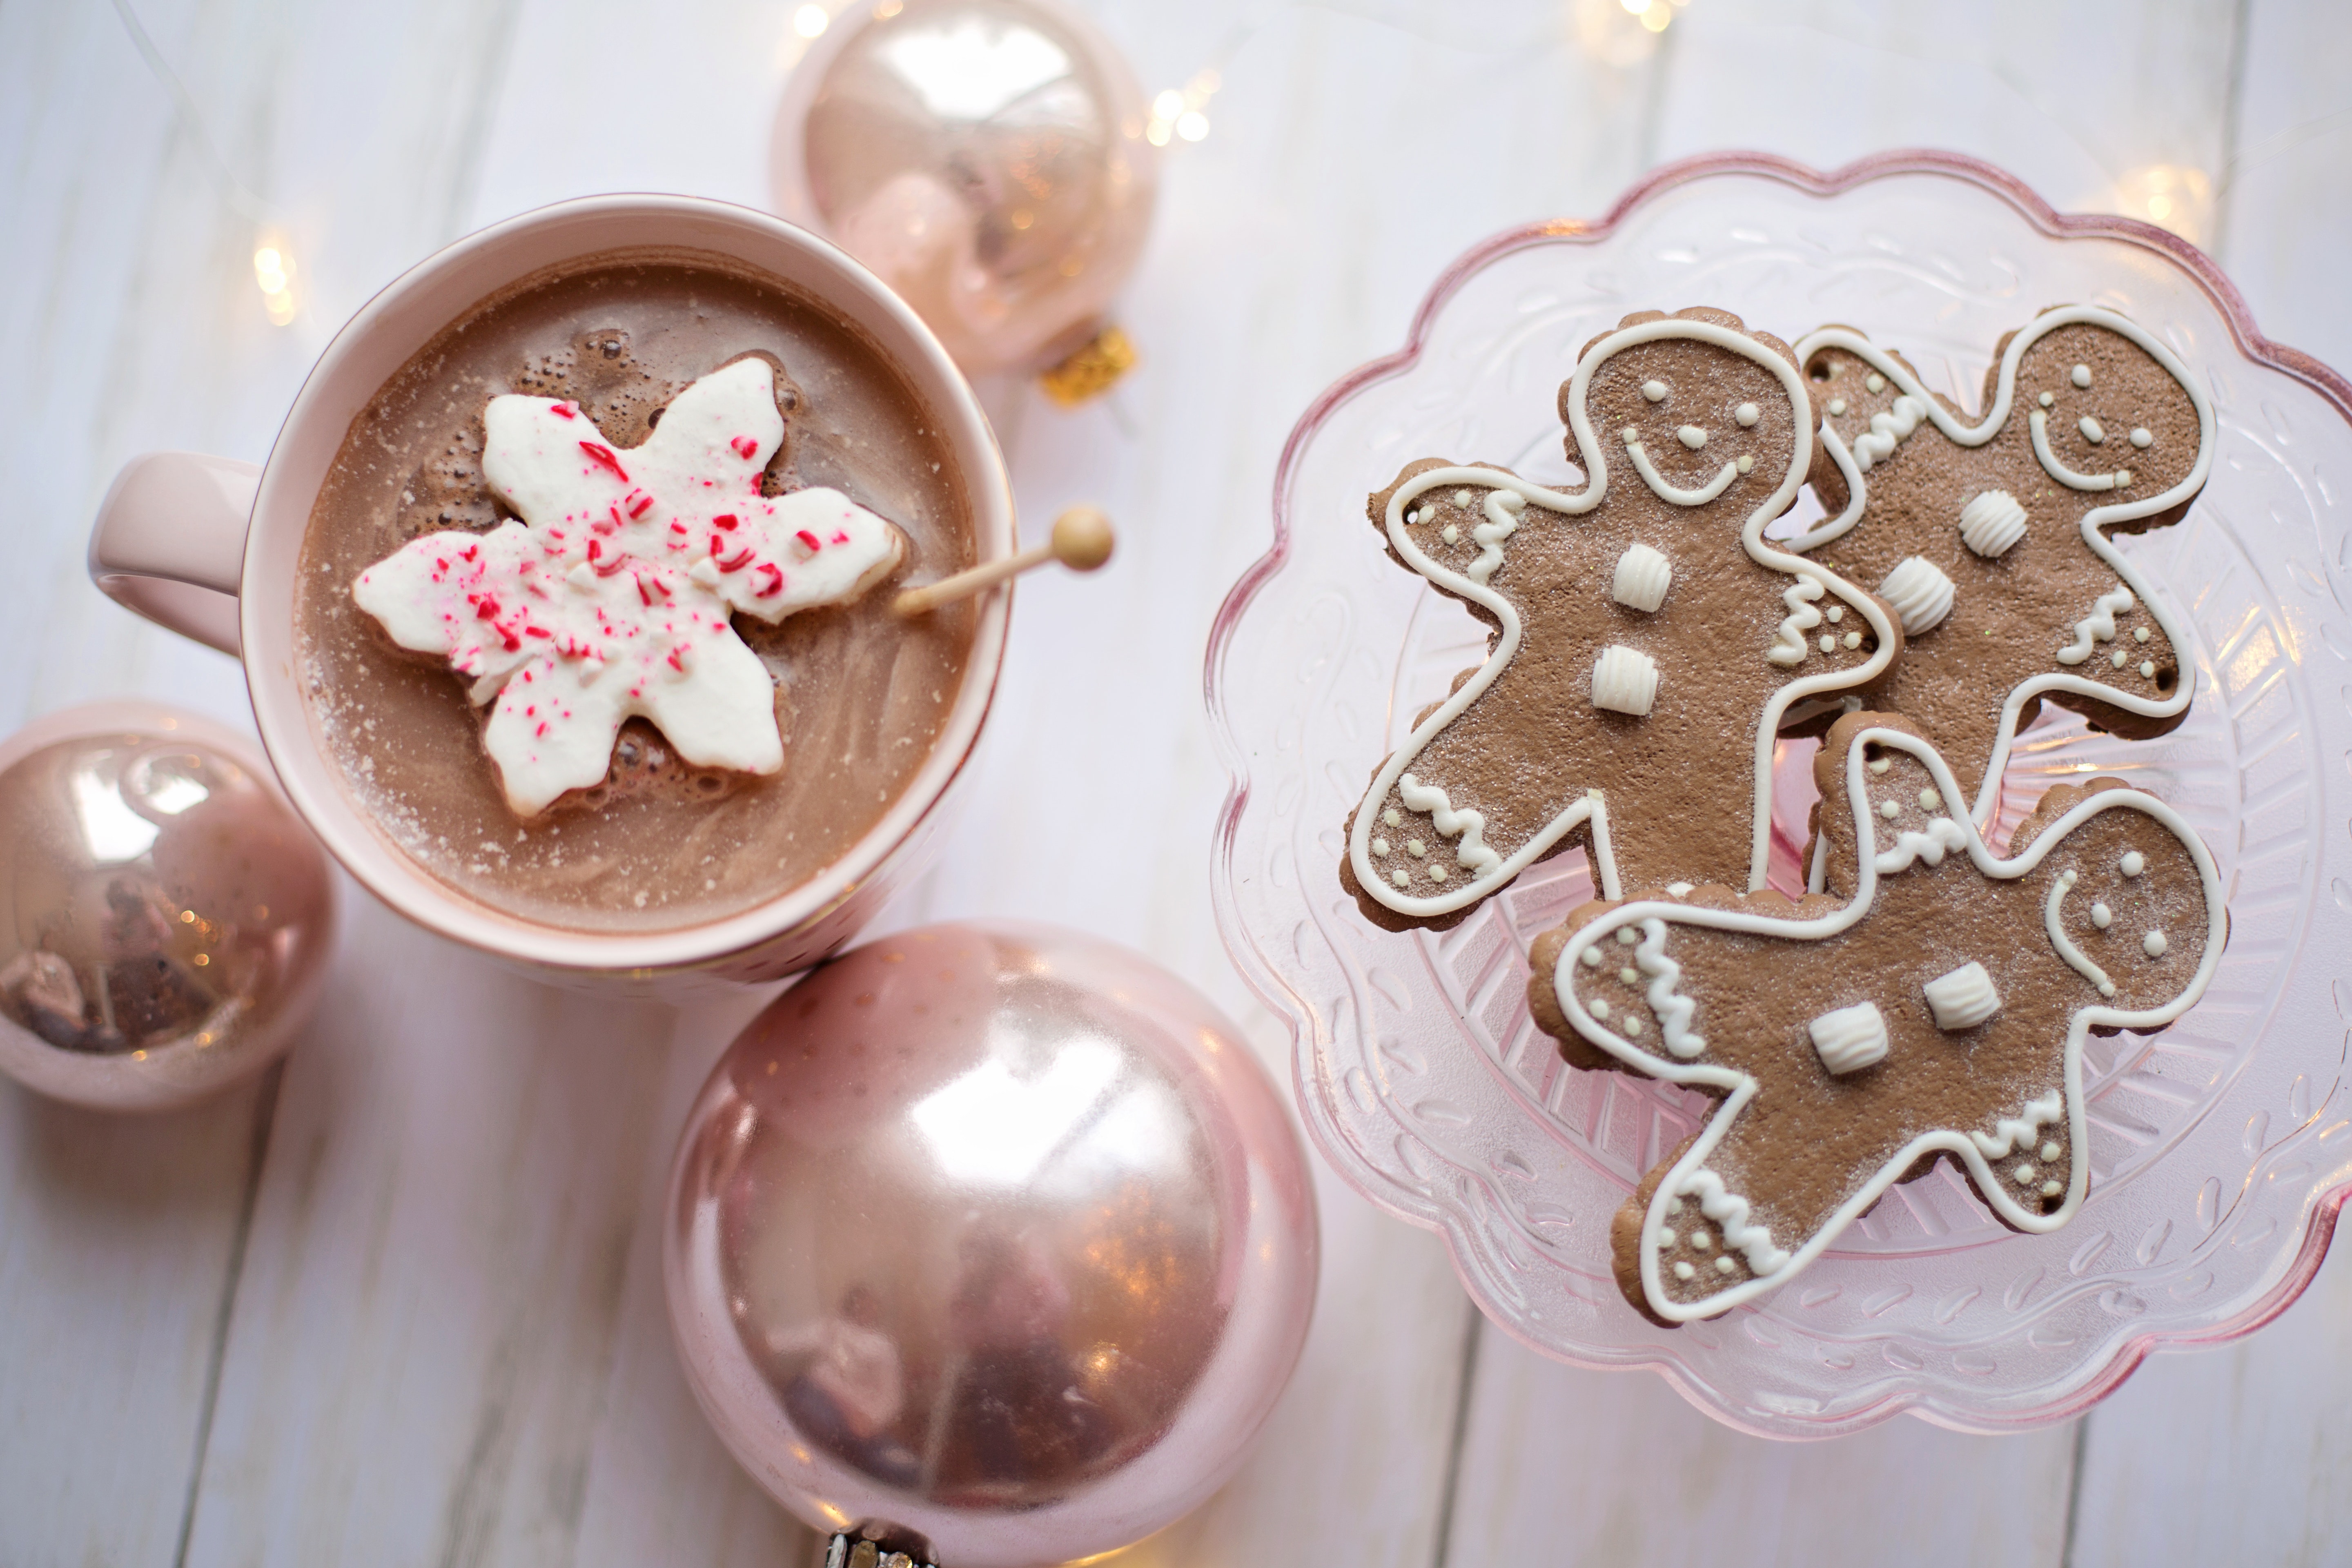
645	504
745	446
602	455
775	581
726	519
810	540
561	410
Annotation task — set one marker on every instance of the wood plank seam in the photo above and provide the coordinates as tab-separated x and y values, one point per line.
1473	1334
2073	1491
265	1118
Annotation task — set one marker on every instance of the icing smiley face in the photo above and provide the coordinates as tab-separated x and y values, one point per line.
1644	632
1932	1004
1991	537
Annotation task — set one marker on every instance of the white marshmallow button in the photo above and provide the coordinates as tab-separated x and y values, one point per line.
1642	577
1850	1038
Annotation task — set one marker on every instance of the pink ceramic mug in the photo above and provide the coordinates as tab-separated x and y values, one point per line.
209	548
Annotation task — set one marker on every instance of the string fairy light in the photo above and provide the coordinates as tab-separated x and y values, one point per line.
273	270
2171	196
1657	15
1176	111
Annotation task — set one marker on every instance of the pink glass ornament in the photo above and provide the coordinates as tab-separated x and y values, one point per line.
986	158
991	1235
165	919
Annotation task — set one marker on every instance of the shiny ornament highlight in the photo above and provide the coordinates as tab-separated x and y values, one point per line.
986	158
167	918
992	1237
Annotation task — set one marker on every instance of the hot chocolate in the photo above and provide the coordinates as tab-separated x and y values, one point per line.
860	696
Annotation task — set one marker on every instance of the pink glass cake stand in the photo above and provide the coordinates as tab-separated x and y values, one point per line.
2220	1149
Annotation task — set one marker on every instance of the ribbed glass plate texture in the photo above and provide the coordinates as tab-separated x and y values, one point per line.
2220	1149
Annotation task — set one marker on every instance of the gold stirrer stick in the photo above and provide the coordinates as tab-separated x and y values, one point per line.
1082	541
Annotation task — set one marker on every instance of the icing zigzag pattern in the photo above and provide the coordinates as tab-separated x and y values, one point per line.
1730	1211
2099	624
2010	1132
1886	432
1673	1010
1466	825
1941	835
1790	643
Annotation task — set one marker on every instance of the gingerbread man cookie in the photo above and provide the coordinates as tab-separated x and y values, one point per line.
1647	639
1934	1005
1992	539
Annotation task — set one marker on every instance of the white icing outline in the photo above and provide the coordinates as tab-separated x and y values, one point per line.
1742	1088
2094	521
1764	553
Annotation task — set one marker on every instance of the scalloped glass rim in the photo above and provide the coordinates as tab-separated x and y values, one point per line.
1742	1369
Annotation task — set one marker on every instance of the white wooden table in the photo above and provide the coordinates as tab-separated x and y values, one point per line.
399	1303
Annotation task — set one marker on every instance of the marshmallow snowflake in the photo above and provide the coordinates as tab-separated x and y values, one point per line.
614	596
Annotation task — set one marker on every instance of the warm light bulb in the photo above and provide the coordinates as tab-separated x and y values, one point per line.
1168	105
2178	198
273	271
810	20
1192	125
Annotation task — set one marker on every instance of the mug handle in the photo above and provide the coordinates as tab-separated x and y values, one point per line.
169	541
